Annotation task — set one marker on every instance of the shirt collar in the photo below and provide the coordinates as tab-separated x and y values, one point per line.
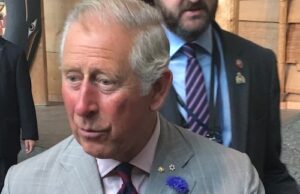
143	160
176	42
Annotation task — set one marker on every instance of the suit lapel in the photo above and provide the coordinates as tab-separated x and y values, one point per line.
172	149
81	175
237	68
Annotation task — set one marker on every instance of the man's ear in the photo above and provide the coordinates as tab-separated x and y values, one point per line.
160	90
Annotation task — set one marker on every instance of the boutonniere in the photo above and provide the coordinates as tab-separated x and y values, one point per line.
178	184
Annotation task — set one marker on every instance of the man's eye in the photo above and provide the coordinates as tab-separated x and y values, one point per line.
105	82
106	85
73	78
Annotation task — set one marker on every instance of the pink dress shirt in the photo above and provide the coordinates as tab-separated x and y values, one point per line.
140	173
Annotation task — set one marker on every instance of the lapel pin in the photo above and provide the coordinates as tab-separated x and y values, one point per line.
239	78
239	63
172	167
160	169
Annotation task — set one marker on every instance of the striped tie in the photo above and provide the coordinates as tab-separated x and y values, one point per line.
124	171
197	101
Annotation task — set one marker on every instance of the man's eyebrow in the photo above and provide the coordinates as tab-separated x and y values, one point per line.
64	68
92	71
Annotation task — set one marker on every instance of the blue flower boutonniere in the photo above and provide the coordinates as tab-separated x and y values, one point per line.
178	184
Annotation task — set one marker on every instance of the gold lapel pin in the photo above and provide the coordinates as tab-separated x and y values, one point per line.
239	78
160	169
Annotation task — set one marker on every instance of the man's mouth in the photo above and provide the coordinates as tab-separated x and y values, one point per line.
91	133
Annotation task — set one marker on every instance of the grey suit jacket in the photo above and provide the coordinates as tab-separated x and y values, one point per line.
208	168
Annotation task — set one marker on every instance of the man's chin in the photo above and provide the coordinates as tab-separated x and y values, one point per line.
96	153
94	149
188	35
191	31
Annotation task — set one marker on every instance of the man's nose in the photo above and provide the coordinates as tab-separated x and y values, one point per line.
86	105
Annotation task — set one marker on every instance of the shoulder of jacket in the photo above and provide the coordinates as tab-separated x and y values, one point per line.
229	38
48	157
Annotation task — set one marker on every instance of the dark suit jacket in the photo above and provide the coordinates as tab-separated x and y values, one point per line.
254	110
16	104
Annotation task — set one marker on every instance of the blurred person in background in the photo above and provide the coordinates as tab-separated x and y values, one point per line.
17	111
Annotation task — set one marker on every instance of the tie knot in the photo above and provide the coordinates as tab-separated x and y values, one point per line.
124	170
189	49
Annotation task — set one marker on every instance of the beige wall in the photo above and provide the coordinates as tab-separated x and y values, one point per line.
292	83
55	12
258	21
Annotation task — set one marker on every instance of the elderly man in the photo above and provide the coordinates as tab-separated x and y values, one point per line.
115	78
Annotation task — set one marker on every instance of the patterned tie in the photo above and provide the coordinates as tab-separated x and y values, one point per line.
124	171
197	100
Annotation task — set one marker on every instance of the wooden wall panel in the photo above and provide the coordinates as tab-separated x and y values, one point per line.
281	55
227	15
292	85
54	77
293	44
292	82
293	101
294	15
264	34
259	10
55	14
38	74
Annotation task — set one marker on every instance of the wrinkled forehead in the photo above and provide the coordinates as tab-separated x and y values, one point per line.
97	43
90	31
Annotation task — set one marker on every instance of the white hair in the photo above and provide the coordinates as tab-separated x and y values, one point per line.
150	53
